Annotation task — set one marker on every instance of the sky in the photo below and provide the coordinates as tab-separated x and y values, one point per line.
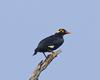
23	23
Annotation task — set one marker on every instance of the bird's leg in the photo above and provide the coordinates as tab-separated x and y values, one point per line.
45	55
52	51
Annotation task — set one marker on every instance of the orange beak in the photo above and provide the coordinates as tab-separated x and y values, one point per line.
67	32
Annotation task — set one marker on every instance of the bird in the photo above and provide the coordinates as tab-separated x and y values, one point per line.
51	43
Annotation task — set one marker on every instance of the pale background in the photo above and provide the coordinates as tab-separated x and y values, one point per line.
23	23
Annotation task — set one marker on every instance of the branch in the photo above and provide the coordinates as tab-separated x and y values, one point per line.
43	65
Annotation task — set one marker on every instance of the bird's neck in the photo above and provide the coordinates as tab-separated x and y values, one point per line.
58	34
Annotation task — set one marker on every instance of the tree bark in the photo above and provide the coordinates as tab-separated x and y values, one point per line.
43	65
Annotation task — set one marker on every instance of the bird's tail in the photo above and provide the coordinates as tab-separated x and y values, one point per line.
35	52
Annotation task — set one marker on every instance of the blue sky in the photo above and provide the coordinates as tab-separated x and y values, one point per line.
23	23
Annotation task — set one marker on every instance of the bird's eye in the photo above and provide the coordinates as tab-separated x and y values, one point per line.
61	30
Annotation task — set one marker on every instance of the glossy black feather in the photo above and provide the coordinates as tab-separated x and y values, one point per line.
51	43
56	40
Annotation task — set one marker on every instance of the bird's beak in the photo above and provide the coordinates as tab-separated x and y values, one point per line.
67	32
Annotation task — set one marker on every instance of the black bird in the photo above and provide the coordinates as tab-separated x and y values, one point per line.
51	43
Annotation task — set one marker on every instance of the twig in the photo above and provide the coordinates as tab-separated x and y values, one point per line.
43	65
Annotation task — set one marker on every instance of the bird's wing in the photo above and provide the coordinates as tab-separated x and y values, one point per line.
50	42
47	41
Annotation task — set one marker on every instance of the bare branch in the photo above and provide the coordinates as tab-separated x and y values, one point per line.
43	65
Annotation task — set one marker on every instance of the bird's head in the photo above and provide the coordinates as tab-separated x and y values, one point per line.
62	32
